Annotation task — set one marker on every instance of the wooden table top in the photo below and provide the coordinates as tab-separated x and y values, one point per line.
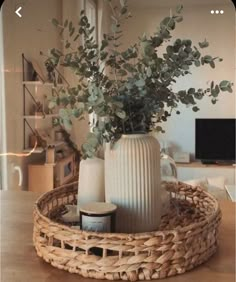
19	262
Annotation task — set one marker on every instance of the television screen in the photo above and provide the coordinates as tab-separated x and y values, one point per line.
215	140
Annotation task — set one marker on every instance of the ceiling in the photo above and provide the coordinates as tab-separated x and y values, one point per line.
167	3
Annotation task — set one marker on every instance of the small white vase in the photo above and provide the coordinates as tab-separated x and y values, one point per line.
91	187
132	182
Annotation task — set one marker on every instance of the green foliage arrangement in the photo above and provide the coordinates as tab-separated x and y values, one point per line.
129	90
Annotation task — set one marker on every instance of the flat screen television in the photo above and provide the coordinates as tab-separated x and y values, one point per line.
215	140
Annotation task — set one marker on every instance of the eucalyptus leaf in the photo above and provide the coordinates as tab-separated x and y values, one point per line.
195	109
217	89
168	23
104	44
55	22
207	59
76	113
185	67
203	44
149	72
52	104
72	31
120	114
179	9
76	37
225	85
70	25
67	123
197	63
66	23
170	50
191	91
179	19
124	10
140	83
67	45
212	84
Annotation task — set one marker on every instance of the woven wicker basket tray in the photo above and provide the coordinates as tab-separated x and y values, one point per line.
187	237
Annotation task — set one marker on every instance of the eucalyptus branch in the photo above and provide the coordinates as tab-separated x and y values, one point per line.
138	95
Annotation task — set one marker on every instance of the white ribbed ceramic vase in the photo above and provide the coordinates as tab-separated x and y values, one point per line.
132	182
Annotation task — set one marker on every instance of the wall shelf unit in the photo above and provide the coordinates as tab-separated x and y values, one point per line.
41	116
33	78
37	150
58	165
40	83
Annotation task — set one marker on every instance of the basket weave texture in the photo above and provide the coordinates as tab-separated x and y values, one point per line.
187	237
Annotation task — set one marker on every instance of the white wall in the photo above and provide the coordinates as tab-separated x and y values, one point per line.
198	24
29	35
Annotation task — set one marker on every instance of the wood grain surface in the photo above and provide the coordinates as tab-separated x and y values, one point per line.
19	262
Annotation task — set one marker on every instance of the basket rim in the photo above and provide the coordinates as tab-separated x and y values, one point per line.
139	235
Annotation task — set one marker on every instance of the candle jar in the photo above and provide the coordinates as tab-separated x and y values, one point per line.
98	217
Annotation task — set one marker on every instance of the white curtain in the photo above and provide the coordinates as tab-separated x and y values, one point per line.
91	13
3	141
